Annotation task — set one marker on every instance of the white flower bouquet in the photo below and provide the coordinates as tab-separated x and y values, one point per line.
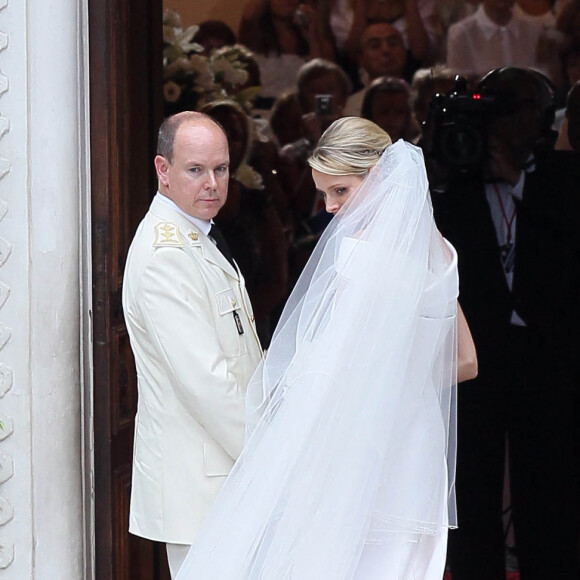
192	79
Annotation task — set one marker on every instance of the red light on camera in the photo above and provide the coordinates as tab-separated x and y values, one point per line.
476	96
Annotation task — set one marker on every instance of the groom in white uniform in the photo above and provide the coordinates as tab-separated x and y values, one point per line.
193	336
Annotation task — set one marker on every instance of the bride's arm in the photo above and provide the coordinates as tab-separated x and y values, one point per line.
466	355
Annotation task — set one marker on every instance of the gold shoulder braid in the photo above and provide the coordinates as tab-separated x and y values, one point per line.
167	234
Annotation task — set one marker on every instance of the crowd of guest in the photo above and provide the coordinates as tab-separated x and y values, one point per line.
307	64
310	63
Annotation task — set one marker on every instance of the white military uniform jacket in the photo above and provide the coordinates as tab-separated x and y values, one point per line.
195	344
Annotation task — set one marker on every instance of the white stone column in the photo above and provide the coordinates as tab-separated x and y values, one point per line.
43	188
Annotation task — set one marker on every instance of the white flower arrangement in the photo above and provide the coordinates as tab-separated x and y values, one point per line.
205	76
174	35
228	69
192	79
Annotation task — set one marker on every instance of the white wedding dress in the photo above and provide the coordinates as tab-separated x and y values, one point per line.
348	470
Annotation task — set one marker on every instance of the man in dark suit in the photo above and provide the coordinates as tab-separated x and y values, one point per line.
516	227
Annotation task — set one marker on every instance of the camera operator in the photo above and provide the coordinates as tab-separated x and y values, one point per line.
322	90
514	220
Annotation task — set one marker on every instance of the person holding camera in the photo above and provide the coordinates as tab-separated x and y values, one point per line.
322	89
389	104
283	34
514	220
416	20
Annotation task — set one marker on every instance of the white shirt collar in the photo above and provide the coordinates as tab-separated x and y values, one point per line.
203	225
488	26
518	188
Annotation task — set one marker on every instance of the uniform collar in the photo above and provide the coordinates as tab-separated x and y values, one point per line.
190	233
202	225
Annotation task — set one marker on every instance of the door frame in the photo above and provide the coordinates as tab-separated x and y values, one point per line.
125	69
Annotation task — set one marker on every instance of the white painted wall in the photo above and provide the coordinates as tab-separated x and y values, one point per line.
43	186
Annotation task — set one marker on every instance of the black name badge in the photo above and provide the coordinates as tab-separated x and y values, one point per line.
238	322
508	256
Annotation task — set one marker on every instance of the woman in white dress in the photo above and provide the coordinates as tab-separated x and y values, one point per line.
348	468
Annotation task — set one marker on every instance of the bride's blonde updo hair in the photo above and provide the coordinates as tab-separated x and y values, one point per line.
350	146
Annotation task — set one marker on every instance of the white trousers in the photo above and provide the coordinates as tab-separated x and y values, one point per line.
175	555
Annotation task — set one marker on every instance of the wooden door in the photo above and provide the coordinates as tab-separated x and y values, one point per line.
125	47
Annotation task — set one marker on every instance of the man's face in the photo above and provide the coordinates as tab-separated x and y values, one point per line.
515	134
382	51
391	112
498	9
197	178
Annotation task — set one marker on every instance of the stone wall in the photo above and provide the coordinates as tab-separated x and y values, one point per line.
43	185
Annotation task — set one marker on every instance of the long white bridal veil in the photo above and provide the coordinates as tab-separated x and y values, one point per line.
351	435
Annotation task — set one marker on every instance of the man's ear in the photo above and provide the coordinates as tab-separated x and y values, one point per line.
161	167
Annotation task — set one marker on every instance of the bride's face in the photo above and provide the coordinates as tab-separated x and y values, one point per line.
335	189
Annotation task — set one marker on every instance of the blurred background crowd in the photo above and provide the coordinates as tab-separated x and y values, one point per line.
292	68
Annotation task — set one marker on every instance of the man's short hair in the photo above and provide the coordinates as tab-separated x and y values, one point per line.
511	87
318	67
374	22
169	127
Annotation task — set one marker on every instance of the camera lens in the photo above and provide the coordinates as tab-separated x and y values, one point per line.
454	133
461	144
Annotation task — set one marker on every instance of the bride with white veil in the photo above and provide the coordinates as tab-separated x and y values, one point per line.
348	468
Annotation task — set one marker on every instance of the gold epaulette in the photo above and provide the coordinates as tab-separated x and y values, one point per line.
167	234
